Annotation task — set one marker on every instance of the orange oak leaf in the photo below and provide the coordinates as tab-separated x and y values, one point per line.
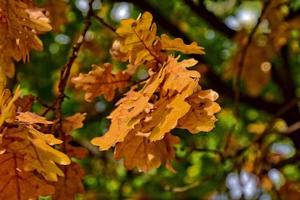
154	110
177	44
140	152
20	23
101	81
168	99
32	118
17	184
73	122
36	150
137	39
7	107
201	115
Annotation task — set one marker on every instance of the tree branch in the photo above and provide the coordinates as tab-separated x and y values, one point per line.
65	71
210	18
101	21
240	67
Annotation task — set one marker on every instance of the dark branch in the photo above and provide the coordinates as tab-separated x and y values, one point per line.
101	21
240	67
210	18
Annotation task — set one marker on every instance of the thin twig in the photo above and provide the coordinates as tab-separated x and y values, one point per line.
241	63
65	71
99	19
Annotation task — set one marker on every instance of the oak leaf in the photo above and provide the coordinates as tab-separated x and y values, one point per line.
37	151
7	107
122	119
17	184
141	124
32	118
20	24
138	38
101	81
201	115
140	152
177	44
156	108
73	122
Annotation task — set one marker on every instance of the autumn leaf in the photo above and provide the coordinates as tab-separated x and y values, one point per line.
201	115
18	184
168	99
153	115
128	108
138	38
177	44
21	22
32	118
101	81
7	107
36	150
73	122
140	152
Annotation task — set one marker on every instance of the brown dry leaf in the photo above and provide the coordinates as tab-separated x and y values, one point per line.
73	122
177	44
70	185
17	184
101	81
140	152
32	118
20	23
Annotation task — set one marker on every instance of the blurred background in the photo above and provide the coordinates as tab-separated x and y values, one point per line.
252	155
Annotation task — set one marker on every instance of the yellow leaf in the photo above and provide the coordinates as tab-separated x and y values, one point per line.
7	107
178	45
137	39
